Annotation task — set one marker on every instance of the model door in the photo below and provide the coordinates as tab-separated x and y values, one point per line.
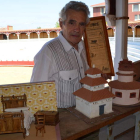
101	109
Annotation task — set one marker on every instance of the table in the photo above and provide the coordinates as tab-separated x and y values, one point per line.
73	126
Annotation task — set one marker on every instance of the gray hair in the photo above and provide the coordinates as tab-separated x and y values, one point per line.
74	5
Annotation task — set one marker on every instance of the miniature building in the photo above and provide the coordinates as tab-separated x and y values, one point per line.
126	90
93	99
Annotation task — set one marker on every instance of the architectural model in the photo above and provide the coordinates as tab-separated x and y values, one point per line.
126	90
93	99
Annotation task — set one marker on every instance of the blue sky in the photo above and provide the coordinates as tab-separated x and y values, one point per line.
30	14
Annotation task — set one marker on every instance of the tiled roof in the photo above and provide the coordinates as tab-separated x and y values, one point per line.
93	81
124	85
92	96
93	71
133	1
31	30
98	5
103	3
125	74
126	65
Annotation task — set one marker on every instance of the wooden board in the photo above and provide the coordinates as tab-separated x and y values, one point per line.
73	125
97	45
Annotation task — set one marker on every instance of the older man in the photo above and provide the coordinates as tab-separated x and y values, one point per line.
63	59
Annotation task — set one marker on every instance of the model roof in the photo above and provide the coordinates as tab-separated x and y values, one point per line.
124	85
92	96
131	74
93	71
126	65
93	81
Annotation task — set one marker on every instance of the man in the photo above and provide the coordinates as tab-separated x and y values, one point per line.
63	59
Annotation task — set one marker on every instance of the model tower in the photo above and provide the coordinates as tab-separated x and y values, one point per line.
93	99
126	90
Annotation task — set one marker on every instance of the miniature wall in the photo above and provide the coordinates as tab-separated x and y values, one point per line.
91	109
40	96
125	99
137	70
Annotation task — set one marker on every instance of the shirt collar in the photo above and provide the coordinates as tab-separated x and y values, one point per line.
67	45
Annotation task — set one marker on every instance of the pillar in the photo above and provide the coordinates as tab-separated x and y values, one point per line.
28	35
48	33
7	34
57	33
121	33
18	35
133	30
38	33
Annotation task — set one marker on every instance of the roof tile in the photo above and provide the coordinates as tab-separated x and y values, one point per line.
93	71
93	81
92	96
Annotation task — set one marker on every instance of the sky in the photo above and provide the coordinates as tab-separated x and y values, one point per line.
30	14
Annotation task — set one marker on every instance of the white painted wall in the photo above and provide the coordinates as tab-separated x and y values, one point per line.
125	78
126	100
91	110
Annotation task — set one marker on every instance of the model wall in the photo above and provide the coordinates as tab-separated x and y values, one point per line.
84	107
125	99
92	109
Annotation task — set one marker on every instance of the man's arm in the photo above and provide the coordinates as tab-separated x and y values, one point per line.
43	67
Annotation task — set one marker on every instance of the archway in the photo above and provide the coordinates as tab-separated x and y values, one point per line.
13	36
43	35
33	35
137	31
23	36
53	34
3	37
130	33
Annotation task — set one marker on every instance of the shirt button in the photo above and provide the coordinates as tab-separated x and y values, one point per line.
69	78
81	67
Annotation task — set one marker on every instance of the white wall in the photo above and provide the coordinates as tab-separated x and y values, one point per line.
125	100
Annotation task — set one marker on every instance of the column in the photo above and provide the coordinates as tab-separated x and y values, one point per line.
57	33
133	30
121	33
7	34
48	33
38	33
28	33
18	35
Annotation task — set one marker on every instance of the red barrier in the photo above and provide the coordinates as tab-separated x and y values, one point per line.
16	63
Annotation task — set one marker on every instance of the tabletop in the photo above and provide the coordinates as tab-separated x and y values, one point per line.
74	124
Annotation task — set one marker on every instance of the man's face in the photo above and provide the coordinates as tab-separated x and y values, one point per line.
74	26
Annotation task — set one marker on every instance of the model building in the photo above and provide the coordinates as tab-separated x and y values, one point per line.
126	90
93	99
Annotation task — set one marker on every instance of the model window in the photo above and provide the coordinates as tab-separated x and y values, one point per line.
135	7
118	94
132	95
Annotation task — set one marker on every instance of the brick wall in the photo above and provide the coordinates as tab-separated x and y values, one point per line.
96	12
